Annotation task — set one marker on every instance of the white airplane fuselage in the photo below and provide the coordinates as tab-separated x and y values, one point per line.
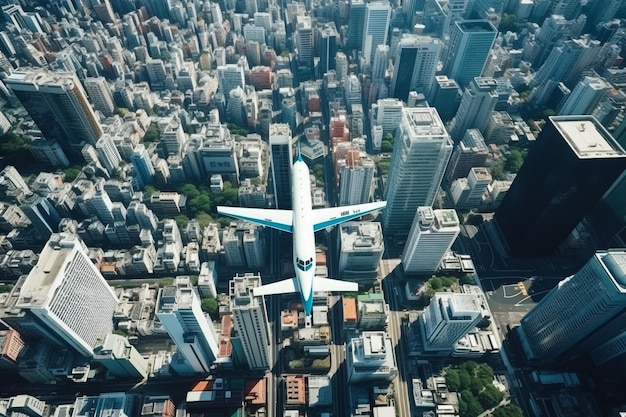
303	232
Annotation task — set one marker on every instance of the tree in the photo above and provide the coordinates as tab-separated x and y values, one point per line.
210	305
152	134
490	397
255	181
203	219
465	378
469	366
484	371
386	146
467	279
548	112
514	161
509	410
11	143
148	190
497	170
199	203
71	173
388	137
508	23
474	409
452	380
189	190
121	111
435	283
383	166
181	221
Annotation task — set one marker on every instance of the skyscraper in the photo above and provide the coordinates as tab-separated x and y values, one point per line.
444	96
432	234
59	106
304	45
108	154
356	178
468	50
328	49
376	27
142	164
478	102
251	321
415	65
281	154
585	96
229	77
178	308
577	309
471	152
100	95
573	163
421	152
356	22
65	300
42	214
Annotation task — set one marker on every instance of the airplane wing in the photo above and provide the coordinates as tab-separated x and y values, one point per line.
327	217
277	219
326	284
285	286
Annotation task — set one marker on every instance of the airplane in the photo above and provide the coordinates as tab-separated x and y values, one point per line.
303	221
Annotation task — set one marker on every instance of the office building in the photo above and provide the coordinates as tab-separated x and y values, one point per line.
468	193
478	101
48	152
375	28
581	313
65	300
572	165
415	65
244	246
251	321
448	318
58	105
356	24
13	188
107	404
328	49
108	155
142	164
470	152
421	152
120	358
370	357
178	309
11	345
229	77
42	214
387	113
361	249
281	155
432	234
100	95
356	178
468	50
380	64
305	47
371	310
585	96
500	129
445	97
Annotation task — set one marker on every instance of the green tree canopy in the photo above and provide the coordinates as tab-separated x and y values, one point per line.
210	305
452	380
189	190
514	161
121	111
509	410
497	171
203	219
71	173
152	134
467	279
386	146
181	221
11	142
148	190
490	397
383	166
200	203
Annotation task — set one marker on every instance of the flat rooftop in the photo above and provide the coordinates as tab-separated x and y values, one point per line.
476	26
587	137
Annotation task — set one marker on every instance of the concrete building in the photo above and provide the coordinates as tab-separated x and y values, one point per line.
422	149
207	279
370	357
251	321
470	193
371	312
585	96
178	309
448	318
13	188
445	97
120	358
415	65
48	152
11	344
108	155
142	164
387	113
478	101
470	152
356	178
100	95
500	128
65	300
362	249
432	234
375	28
244	246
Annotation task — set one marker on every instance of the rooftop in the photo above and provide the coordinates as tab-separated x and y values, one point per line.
476	26
587	137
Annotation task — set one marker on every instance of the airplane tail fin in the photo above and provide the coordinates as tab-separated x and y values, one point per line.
285	286
327	284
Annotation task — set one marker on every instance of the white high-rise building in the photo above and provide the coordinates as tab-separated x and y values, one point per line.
376	27
362	248
421	152
387	113
65	299
108	154
478	102
100	95
381	62
449	317
100	203
120	358
178	308
575	314
370	357
304	42
356	178
432	234
230	76
585	96
251	321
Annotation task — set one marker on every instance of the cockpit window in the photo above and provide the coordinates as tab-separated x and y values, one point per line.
307	262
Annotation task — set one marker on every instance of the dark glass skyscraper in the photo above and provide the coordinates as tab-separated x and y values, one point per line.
574	162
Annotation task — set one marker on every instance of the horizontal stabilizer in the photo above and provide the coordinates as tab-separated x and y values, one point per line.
327	217
277	219
285	286
328	285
